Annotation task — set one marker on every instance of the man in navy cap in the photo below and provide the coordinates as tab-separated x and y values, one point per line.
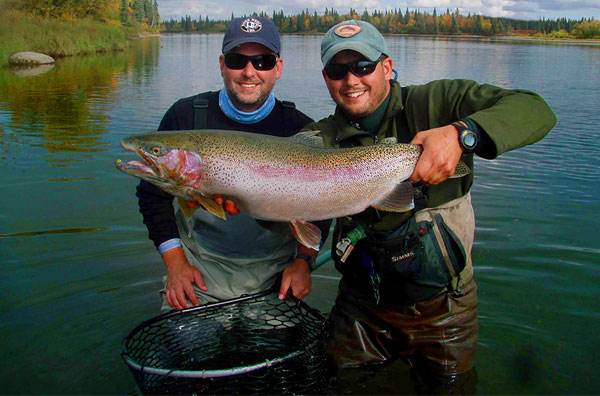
208	259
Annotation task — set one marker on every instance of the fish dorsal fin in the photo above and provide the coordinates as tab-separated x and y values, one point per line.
306	233
210	205
309	138
400	199
389	141
461	170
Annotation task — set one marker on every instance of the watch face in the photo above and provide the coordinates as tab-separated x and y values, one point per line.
469	140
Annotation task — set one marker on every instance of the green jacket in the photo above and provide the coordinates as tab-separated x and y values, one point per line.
507	119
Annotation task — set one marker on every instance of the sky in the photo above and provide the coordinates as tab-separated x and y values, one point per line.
518	9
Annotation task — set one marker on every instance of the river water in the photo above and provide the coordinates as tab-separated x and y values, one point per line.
78	272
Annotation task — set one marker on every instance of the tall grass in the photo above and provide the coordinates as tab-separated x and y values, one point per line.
56	37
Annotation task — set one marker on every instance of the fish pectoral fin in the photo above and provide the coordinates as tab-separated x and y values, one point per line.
461	170
185	208
306	233
210	205
400	199
309	138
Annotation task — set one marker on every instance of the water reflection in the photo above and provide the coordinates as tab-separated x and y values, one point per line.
32	71
66	109
67	231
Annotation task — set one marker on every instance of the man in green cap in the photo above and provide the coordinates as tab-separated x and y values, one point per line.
407	288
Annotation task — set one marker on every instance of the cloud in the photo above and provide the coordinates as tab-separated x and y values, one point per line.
495	8
179	8
551	5
521	7
555	8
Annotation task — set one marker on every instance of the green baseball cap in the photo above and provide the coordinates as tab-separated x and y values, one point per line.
359	36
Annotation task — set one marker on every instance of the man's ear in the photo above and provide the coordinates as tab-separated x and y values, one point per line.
222	63
279	68
388	65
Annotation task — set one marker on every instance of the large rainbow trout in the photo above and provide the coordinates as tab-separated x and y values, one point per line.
294	179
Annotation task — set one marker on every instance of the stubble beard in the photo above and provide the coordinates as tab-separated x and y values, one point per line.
254	101
246	102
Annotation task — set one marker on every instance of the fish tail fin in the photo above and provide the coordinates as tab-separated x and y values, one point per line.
461	170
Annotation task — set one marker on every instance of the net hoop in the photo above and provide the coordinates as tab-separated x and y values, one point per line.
203	374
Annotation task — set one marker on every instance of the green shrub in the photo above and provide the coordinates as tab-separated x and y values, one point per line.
587	30
56	37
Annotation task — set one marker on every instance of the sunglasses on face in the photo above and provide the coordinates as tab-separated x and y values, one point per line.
360	68
260	62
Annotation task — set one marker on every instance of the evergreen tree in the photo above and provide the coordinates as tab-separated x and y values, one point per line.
138	10
155	14
455	28
148	10
420	19
365	16
478	29
124	11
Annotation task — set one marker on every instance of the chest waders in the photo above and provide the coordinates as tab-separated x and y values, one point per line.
240	255
419	259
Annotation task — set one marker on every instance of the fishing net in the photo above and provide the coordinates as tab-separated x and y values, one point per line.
254	344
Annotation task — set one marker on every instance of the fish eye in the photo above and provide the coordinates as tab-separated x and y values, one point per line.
155	150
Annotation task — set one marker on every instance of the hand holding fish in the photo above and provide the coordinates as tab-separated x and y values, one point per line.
441	154
180	278
297	278
228	205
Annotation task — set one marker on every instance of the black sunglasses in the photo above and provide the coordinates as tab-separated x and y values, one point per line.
360	68
261	62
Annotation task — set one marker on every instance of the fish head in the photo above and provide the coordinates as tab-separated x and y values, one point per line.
164	163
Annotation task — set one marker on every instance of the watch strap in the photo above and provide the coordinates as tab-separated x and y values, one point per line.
310	260
466	124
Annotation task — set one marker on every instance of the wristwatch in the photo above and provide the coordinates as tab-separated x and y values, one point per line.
310	260
467	138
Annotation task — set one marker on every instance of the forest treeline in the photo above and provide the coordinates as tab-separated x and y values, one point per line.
112	12
407	22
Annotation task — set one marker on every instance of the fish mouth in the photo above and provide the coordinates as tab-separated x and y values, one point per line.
136	167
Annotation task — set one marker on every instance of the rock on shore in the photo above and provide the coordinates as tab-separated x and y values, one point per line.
30	59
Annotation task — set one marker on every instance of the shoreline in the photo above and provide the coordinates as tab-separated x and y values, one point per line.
508	38
59	38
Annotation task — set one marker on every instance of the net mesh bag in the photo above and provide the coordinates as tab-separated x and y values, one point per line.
254	344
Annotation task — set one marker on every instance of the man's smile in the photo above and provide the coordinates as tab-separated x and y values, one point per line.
355	94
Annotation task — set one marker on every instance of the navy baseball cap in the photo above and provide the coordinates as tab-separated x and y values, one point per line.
252	30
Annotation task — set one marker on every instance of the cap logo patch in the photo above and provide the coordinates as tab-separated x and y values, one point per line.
346	31
251	25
